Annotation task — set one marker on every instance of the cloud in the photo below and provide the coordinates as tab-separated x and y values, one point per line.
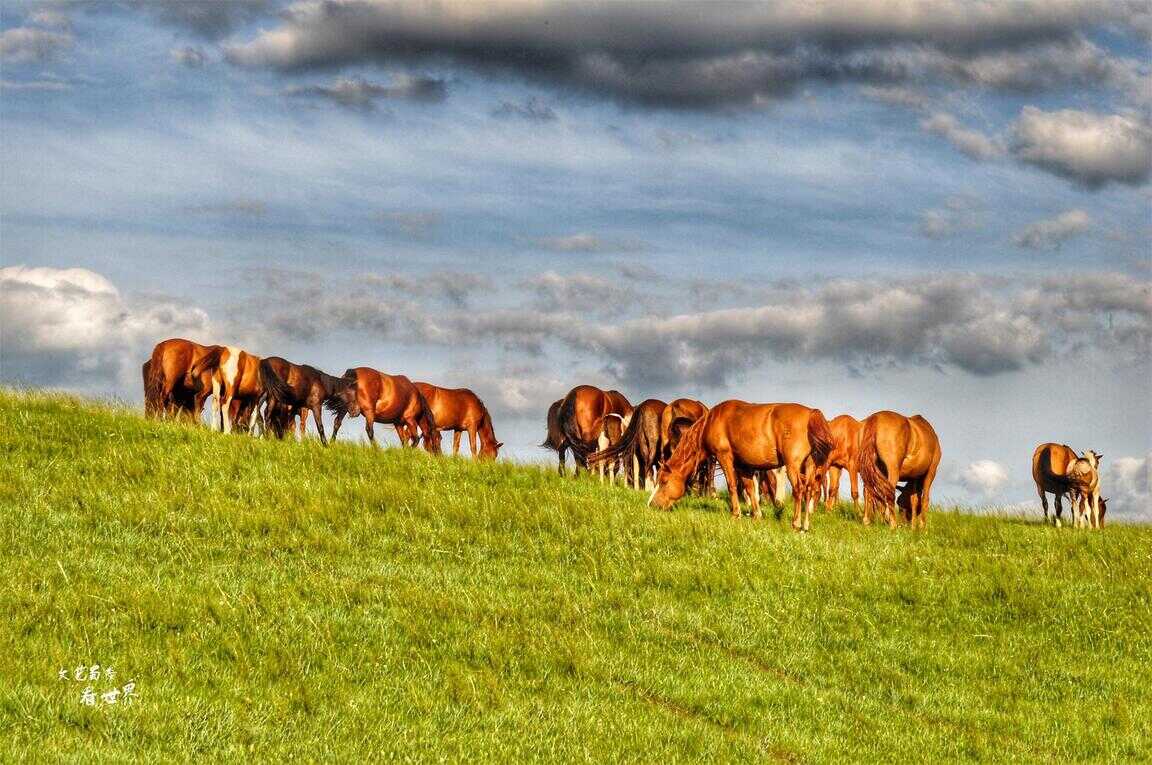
418	224
978	325
359	93
35	86
584	242
1051	233
455	287
210	19
533	110
1089	149
958	215
973	143
985	477
737	53
1127	485
21	45
587	294
189	55
72	326
238	207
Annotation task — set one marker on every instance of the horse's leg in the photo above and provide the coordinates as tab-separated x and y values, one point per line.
473	443
796	478
316	415
562	468
832	486
752	489
336	423
456	442
1043	503
1059	498
854	482
370	427
730	478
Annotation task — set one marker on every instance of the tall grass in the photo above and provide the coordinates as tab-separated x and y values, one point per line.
286	600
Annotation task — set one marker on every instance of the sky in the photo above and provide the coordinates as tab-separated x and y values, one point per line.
940	207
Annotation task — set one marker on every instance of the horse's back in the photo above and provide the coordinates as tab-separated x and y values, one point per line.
1050	463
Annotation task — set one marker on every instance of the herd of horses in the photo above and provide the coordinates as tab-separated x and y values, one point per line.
668	449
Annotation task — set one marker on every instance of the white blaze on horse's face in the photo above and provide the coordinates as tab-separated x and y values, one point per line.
652	496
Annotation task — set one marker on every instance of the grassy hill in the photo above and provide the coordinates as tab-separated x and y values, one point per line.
283	599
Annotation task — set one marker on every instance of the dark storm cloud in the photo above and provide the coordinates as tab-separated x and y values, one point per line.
720	53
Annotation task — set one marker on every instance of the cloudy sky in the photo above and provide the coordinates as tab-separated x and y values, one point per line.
934	206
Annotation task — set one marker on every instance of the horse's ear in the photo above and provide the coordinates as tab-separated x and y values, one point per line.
499	444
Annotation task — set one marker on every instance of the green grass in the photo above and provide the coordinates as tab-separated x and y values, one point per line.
286	600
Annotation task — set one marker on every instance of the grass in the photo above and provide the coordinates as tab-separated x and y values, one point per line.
286	600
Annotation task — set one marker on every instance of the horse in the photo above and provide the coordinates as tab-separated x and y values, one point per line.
639	445
554	439
1084	478
167	391
299	386
744	438
461	411
235	376
1053	467
675	418
581	417
895	448
846	437
390	400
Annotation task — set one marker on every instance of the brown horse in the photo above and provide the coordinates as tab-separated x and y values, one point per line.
1050	465
236	385
676	418
846	437
745	438
555	439
639	445
581	417
895	448
167	386
461	411
390	400
299	386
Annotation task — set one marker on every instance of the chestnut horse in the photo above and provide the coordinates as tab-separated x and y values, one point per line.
236	385
461	411
639	445
1058	471
680	413
299	386
581	417
167	390
390	400
846	437
745	438
895	448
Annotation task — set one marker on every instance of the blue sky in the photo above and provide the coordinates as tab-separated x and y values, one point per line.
894	205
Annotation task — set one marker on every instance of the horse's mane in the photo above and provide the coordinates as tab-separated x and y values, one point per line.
689	450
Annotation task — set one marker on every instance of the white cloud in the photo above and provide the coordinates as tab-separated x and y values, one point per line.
959	214
1050	233
971	142
26	44
1089	149
71	325
985	477
1127	485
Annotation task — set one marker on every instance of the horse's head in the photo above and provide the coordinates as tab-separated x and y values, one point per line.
1093	459
432	440
670	486
489	450
344	398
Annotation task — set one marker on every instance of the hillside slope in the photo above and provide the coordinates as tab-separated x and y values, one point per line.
284	599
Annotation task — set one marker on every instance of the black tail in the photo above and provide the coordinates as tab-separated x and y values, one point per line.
625	447
579	446
274	386
334	387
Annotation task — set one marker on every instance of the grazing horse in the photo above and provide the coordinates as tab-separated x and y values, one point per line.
745	438
1084	477
461	411
639	445
895	448
846	437
390	400
299	387
555	439
1058	471
581	417
167	386
236	385
676	416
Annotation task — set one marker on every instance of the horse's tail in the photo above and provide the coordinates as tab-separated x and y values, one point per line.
428	422
553	437
153	384
274	386
209	361
872	475
625	447
576	442
820	438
